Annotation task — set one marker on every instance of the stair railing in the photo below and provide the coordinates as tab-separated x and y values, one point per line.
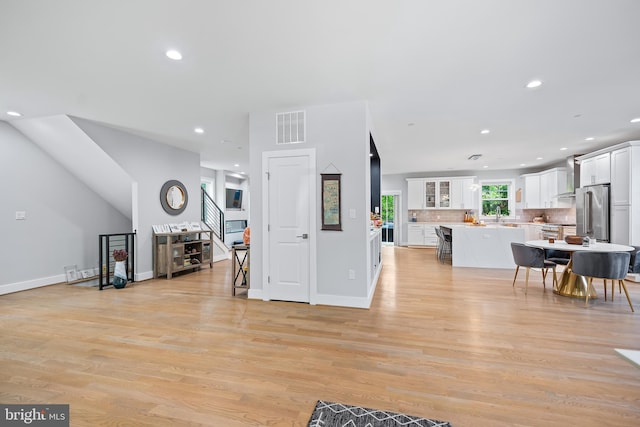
212	215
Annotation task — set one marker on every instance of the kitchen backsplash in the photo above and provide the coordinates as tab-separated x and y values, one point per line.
554	216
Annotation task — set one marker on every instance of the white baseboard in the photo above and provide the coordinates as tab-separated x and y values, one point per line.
254	293
31	284
143	276
221	257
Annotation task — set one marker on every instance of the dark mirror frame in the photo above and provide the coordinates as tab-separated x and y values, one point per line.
163	197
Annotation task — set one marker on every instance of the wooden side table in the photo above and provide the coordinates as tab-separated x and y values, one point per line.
240	256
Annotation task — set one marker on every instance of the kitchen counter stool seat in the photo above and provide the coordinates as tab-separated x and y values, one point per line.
531	257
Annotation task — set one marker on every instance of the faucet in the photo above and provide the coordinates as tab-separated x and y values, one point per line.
497	213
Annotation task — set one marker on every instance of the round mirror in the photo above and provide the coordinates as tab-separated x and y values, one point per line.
173	197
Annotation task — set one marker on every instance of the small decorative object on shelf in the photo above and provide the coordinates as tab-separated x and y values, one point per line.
120	273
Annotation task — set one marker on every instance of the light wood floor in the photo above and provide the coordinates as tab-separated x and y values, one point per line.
453	344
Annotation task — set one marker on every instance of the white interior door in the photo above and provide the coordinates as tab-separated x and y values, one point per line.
290	184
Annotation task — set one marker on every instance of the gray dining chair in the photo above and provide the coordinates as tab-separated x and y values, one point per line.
603	265
530	257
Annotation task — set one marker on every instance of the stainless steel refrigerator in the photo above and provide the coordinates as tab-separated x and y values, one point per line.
592	212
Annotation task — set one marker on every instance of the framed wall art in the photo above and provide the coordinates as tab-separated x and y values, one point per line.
331	212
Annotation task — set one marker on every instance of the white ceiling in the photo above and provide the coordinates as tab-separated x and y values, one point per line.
450	68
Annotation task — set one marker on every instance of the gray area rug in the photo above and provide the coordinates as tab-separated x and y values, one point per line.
329	414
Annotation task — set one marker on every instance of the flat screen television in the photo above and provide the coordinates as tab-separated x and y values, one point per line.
234	198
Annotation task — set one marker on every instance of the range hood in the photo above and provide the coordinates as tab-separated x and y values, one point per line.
573	178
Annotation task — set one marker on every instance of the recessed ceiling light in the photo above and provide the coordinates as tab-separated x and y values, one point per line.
563	149
538	158
485	166
533	83
243	172
199	130
174	54
523	164
636	120
13	113
485	131
236	165
474	157
589	139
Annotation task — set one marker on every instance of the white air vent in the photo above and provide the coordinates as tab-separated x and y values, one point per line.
290	127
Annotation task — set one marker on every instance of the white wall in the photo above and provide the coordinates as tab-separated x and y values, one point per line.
150	164
63	216
340	135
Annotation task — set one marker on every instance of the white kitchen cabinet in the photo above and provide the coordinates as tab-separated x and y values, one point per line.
422	235
444	194
552	183
462	194
440	193
532	231
532	191
437	193
415	193
415	234
620	224
595	170
621	176
430	236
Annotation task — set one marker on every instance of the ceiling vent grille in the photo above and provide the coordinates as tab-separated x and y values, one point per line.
290	127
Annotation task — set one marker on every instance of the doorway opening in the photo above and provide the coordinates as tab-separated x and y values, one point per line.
388	213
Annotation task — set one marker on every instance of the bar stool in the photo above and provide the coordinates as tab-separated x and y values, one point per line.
447	241
603	265
440	242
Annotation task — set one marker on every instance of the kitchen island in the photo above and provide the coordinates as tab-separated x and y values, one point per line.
484	246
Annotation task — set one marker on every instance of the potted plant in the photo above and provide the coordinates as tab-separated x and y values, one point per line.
120	273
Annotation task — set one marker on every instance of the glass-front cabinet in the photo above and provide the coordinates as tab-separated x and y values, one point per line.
437	194
441	193
444	192
430	198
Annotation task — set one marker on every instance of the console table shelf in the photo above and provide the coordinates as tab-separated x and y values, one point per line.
184	251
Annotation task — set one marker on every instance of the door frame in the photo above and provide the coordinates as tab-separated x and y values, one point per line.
397	220
313	234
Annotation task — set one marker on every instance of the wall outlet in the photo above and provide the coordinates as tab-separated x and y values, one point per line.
21	215
437	216
352	274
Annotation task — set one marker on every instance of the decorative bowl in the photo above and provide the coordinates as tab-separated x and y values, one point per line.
573	240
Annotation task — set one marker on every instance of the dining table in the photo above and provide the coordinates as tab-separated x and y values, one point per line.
571	284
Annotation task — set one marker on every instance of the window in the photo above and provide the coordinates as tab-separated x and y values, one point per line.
497	195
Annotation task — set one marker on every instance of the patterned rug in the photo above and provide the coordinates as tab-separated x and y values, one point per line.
329	414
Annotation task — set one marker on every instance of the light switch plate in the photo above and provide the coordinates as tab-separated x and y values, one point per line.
352	213
21	215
